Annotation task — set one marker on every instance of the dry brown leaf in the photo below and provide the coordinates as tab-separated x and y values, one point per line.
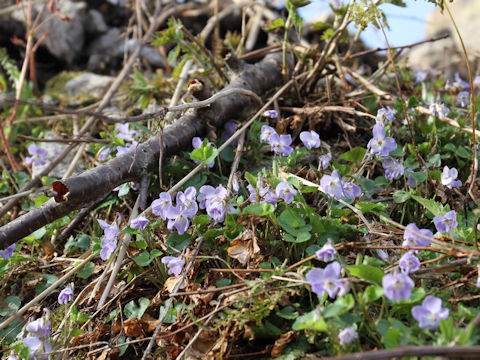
243	247
283	340
133	327
172	281
149	323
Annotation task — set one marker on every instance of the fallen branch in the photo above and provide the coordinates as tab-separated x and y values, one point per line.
78	191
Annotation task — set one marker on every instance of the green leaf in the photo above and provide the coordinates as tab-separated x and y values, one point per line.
13	304
205	154
132	311
367	272
355	155
86	271
339	307
276	24
177	241
82	241
391	338
311	321
78	317
40	200
49	278
145	258
401	196
288	312
259	209
365	206
21	178
372	293
252	179
289	218
431	205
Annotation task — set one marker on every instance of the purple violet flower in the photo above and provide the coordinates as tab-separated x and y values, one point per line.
104	153
327	252
205	193
347	335
174	264
447	222
393	168
411	239
124	132
409	263
40	328
430	312
66	294
398	286
271	114
324	160
420	76
448	178
109	241
459	82
177	218
37	155
266	133
285	191
128	147
332	184
438	109
161	205
410	179
8	252
380	144
37	347
385	116
216	202
463	98
327	279
139	223
280	144
310	139
196	143
382	254
351	191
187	201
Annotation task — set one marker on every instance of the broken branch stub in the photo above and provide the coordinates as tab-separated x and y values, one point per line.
79	191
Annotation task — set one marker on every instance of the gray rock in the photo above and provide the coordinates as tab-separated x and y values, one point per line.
94	23
111	46
88	84
65	38
447	54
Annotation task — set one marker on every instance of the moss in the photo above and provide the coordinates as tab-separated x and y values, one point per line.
55	88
